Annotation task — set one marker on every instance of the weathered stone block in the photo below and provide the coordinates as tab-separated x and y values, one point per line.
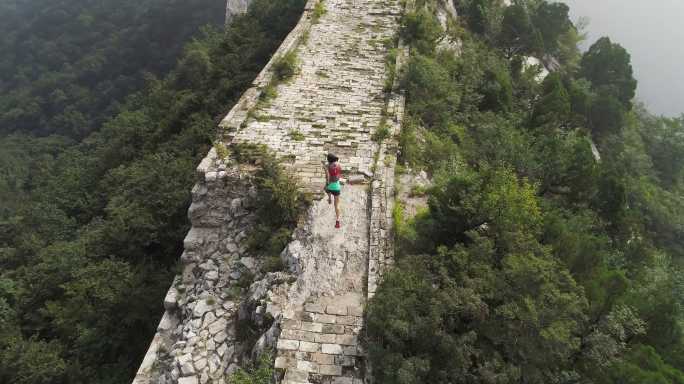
331	349
282	362
322	358
336	328
311	327
296	375
291	324
346	339
351	351
315	308
346	320
292	345
330	370
294	334
321	318
307	366
336	309
325	338
306	346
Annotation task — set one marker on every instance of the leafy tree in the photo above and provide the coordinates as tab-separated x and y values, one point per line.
552	21
606	116
664	142
497	90
554	107
607	66
423	29
536	260
518	34
483	15
495	304
72	63
436	105
644	365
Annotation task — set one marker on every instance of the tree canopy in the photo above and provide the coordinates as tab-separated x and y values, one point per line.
94	213
549	251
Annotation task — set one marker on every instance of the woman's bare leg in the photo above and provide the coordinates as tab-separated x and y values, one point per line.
329	196
337	208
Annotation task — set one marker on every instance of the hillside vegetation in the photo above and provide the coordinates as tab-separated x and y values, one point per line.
534	262
106	108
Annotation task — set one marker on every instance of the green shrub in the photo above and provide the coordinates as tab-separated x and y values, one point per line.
381	133
221	150
391	67
261	373
318	11
279	200
246	279
273	264
286	66
418	191
297	135
269	92
422	30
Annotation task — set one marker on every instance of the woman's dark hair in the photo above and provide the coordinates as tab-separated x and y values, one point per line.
332	158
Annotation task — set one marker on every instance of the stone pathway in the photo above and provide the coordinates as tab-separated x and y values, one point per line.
335	103
336	100
322	313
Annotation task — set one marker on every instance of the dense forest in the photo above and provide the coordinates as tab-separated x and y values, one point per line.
106	108
537	259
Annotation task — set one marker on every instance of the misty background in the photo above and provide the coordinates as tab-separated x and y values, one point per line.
652	31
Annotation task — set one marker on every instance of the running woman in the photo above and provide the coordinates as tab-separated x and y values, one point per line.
333	173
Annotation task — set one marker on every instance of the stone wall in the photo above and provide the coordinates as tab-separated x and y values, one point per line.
236	7
310	314
196	339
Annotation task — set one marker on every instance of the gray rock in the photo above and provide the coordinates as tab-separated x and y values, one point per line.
208	319
188	380
230	246
218	326
211	275
171	299
184	359
249	262
200	364
168	322
187	369
201	308
210	176
220	337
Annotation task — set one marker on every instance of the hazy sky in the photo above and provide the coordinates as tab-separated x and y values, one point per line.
653	32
